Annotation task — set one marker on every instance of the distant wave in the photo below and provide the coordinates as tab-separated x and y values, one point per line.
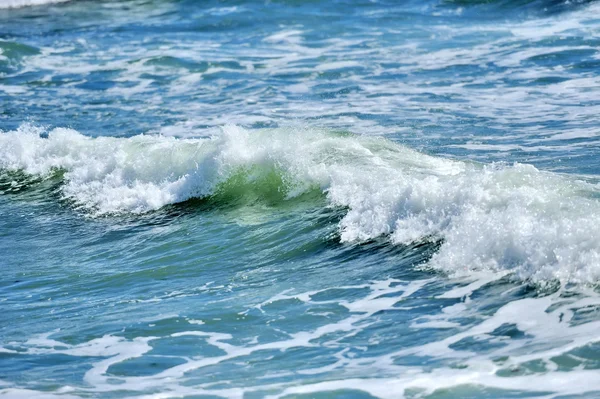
497	217
27	3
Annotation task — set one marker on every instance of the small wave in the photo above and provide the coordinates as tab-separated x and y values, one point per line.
541	226
27	3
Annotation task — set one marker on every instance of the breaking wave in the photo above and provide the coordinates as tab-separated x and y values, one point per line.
540	226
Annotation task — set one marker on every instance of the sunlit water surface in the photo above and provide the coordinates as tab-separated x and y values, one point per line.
299	199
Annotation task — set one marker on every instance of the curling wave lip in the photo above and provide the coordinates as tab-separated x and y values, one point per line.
497	217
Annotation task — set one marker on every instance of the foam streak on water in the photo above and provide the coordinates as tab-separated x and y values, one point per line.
548	340
508	87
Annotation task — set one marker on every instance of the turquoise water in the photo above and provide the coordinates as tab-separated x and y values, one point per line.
299	199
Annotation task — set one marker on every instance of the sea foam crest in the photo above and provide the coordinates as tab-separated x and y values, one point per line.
492	217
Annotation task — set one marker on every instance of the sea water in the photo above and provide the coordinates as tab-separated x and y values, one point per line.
299	199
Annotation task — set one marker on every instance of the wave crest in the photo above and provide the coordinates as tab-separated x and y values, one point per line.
542	226
28	3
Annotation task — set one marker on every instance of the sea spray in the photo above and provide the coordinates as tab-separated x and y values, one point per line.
497	217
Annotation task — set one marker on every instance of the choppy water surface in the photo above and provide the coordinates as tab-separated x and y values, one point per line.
286	199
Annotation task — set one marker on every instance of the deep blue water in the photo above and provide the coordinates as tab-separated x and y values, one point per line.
299	199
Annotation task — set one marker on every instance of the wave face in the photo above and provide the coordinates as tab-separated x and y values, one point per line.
542	226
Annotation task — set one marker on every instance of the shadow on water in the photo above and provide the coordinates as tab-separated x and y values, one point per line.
28	187
414	253
531	7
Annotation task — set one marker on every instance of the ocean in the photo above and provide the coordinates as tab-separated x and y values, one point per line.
299	199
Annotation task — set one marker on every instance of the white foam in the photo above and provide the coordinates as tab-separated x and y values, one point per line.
337	65
27	3
498	92
490	217
464	292
545	323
